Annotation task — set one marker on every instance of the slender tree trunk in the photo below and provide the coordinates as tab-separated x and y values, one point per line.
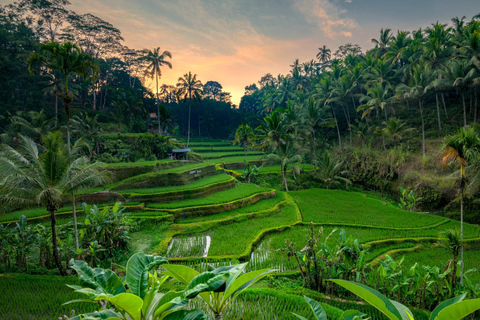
476	103
56	255
461	237
188	134
314	153
464	111
94	97
75	227
284	176
56	109
423	128
158	106
444	105
338	129
438	113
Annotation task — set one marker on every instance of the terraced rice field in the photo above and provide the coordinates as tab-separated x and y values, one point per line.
216	231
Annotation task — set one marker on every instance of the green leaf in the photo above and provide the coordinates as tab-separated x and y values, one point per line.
204	282
186	315
104	314
103	281
445	304
317	309
373	297
127	302
138	268
299	317
458	310
244	281
352	315
183	274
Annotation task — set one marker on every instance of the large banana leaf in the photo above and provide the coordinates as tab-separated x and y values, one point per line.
103	281
138	268
183	274
103	314
186	315
244	281
458	310
126	302
204	282
445	304
393	310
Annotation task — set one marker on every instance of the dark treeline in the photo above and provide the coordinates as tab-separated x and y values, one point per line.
116	93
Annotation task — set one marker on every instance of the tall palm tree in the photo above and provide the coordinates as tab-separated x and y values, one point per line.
331	170
68	59
316	116
324	54
189	88
245	136
32	178
420	78
155	60
289	154
461	148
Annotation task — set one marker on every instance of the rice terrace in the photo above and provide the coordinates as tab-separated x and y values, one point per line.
304	159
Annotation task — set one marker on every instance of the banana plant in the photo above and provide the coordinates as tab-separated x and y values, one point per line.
218	300
143	297
320	314
453	309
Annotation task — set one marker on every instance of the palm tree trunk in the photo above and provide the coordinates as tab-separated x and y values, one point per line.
75	228
476	102
464	111
314	153
158	106
188	133
461	236
56	256
444	105
338	129
423	128
438	113
56	109
284	177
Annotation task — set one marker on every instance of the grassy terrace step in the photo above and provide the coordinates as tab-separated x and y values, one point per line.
336	206
42	213
216	155
257	207
231	199
266	254
198	188
275	168
124	170
233	159
174	176
218	149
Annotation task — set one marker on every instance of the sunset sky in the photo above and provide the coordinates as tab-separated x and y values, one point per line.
235	42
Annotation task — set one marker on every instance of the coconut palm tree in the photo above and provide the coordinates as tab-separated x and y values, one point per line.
33	178
396	129
324	54
245	136
289	154
331	170
189	88
316	116
450	240
68	59
155	60
461	148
